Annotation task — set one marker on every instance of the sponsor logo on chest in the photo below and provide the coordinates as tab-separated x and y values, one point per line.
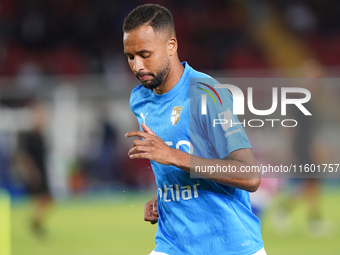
174	192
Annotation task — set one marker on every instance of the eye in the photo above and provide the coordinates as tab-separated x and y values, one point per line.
145	55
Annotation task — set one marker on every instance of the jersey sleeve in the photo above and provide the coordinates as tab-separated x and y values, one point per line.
221	127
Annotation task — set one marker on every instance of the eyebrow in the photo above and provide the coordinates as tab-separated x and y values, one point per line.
139	52
143	51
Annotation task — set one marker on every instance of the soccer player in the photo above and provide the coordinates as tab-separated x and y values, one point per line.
31	159
195	215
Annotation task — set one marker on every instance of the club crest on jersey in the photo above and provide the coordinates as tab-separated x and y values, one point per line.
176	112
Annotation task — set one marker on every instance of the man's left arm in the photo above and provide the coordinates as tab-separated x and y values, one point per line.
153	148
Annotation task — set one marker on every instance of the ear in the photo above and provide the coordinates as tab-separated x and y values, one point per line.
172	45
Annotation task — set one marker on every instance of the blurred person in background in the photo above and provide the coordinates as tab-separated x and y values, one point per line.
263	198
31	159
307	151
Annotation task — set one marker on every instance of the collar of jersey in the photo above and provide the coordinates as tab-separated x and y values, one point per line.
170	94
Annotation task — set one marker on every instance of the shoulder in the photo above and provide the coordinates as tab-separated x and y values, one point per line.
197	78
203	83
194	74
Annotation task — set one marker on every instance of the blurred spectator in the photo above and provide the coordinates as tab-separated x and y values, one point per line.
5	178
31	159
74	36
106	166
307	151
269	188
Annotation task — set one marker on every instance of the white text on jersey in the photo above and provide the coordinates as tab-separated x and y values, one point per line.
177	193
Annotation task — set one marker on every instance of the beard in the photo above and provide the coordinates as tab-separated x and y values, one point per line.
158	77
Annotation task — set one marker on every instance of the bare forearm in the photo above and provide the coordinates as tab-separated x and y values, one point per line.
153	148
190	164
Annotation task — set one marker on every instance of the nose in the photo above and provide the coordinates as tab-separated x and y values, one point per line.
138	64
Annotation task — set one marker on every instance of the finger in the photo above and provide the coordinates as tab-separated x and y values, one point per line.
147	129
135	142
154	221
154	206
151	218
140	155
136	133
140	142
137	149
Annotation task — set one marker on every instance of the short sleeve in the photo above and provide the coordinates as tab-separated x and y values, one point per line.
221	127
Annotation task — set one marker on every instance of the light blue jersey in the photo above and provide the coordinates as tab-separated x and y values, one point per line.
197	216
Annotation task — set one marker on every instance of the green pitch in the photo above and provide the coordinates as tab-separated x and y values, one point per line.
102	225
113	225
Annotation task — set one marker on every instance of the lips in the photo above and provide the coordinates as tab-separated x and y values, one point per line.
144	77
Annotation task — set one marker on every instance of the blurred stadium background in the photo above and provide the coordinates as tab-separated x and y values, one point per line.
68	54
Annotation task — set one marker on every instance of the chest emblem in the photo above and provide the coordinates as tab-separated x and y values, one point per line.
176	112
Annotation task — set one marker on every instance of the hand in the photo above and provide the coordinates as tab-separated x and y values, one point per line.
151	147
151	211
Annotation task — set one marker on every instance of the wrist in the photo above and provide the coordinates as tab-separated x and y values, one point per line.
180	159
173	157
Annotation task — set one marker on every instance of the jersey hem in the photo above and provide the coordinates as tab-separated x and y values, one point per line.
253	251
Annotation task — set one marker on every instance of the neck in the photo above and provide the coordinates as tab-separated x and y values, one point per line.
174	75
